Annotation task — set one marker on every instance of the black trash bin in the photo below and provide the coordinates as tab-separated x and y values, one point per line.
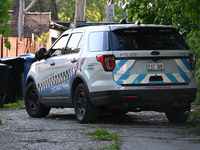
5	87
17	74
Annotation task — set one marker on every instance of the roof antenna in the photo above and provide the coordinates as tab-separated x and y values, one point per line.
123	21
137	22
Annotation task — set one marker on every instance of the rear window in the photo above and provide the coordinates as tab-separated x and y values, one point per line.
98	41
147	39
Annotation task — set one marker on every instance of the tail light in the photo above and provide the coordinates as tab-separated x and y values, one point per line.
107	61
192	58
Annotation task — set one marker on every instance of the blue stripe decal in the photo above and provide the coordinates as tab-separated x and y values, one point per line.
139	78
180	69
187	64
122	79
123	74
171	77
119	65
129	70
185	77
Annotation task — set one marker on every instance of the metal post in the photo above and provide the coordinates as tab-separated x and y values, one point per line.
80	10
110	11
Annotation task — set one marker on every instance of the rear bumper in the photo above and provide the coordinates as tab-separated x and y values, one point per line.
161	96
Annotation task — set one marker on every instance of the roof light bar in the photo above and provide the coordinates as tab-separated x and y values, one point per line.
85	23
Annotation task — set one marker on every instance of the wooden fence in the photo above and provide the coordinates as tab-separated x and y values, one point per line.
19	46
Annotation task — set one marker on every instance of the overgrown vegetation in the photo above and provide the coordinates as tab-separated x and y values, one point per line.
18	105
195	120
182	14
43	38
4	18
104	135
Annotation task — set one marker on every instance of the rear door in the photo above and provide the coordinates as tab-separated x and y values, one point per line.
67	67
150	56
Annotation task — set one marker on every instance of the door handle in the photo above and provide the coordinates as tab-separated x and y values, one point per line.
155	53
74	60
52	64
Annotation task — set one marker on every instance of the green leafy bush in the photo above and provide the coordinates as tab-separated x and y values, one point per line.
43	38
19	104
4	18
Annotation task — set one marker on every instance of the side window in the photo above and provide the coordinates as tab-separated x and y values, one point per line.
59	46
74	44
98	41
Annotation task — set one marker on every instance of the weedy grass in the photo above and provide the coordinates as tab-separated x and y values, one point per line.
104	135
194	119
18	105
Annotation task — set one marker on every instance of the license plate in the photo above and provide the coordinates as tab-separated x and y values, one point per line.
155	66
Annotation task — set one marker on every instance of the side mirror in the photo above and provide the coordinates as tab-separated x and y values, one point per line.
40	54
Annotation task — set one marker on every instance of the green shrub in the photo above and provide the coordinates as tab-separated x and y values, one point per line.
19	104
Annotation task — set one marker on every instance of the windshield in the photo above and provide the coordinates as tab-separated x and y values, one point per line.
147	39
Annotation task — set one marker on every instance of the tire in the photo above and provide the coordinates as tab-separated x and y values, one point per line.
33	106
84	110
177	114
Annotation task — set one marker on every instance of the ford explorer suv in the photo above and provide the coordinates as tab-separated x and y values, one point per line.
113	67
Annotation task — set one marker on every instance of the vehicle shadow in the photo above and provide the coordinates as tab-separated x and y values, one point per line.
134	118
62	116
139	118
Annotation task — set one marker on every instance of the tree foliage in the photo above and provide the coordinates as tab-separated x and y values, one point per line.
4	18
44	6
183	14
66	10
94	12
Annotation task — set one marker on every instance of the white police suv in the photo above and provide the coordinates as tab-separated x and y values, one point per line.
114	67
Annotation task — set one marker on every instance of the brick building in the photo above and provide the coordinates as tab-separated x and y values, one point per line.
36	23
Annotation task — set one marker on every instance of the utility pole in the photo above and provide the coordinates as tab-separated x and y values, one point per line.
110	15
80	10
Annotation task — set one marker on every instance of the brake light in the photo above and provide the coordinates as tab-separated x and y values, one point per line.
107	61
184	95
192	58
130	96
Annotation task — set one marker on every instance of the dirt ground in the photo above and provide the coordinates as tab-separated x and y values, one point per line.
61	131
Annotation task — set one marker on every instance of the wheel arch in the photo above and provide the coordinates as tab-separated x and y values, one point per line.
77	80
29	80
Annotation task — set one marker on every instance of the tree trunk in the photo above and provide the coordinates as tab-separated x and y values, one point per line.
30	6
22	12
110	11
21	19
80	10
54	11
